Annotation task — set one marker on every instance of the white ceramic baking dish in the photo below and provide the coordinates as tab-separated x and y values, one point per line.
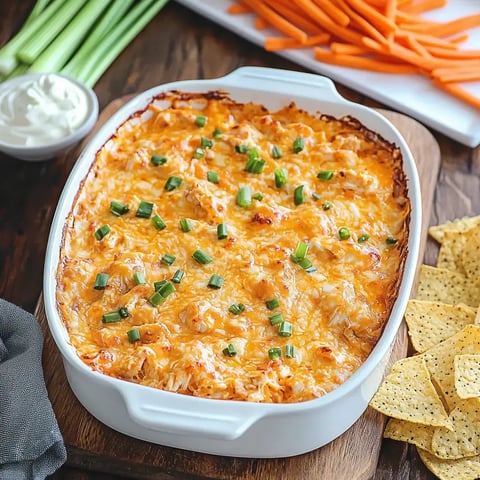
224	427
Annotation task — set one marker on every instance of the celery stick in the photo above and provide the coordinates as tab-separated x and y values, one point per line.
117	40
54	57
8	61
29	51
109	19
36	10
20	69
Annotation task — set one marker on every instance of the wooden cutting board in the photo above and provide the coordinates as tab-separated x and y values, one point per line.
354	455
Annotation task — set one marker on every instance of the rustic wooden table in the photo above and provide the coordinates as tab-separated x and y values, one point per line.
179	44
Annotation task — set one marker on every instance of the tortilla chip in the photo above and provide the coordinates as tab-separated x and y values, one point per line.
457	225
463	469
414	433
450	255
440	360
430	323
467	375
464	439
441	285
408	394
471	253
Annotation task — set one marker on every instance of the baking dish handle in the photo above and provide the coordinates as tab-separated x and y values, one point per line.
181	415
278	80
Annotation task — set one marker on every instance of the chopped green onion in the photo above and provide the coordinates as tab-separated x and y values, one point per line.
102	232
229	351
216	281
255	165
212	177
315	196
298	145
325	175
156	299
177	276
201	121
172	183
217	134
272	304
144	209
391	241
257	196
111	317
327	205
363	238
305	263
285	329
133	335
236	308
244	197
343	233
274	353
253	153
139	278
168	259
276	152
299	195
241	148
198	153
290	351
222	231
201	257
123	312
158	160
281	176
118	209
185	225
158	223
101	281
158	285
206	142
166	289
276	318
300	250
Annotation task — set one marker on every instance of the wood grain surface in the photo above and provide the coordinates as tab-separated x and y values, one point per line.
95	446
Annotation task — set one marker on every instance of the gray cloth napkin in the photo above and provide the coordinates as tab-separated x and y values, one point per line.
31	445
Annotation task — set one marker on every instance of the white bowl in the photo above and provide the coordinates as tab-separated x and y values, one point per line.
224	427
52	148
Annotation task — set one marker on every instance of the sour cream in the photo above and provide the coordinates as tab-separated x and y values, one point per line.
41	110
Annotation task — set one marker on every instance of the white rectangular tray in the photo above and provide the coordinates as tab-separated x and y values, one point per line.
411	94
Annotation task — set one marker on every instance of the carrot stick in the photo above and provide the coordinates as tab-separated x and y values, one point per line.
457	75
282	43
333	12
463	37
260	23
455	26
428	40
381	23
416	46
237	9
455	54
283	7
459	92
324	21
361	62
280	23
423	6
348	49
362	23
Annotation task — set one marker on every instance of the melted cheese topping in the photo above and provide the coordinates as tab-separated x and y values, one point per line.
337	312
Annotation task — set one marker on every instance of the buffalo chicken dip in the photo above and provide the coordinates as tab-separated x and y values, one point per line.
221	250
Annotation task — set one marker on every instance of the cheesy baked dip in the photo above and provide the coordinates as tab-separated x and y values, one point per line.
221	250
